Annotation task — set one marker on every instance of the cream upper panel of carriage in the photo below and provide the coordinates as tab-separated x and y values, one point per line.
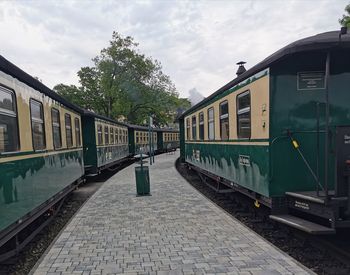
141	137
23	95
170	136
250	119
120	133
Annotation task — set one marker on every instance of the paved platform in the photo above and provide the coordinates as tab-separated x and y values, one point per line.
174	231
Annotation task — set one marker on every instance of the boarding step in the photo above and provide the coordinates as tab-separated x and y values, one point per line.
303	225
91	175
310	196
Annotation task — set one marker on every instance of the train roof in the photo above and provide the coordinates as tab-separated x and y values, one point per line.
322	41
145	128
92	114
11	69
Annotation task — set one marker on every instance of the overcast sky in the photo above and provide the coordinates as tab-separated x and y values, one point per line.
197	42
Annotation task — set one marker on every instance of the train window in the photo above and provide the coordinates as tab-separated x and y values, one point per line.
38	126
116	135
188	129
224	123
69	135
194	128
243	115
99	134
111	135
120	136
9	141
201	125
137	137
56	128
211	126
106	135
77	132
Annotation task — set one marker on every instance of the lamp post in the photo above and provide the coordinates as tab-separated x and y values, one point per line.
150	141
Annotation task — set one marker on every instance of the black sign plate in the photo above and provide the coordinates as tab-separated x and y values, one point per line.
311	80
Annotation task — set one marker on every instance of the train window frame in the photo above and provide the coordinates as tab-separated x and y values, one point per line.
57	126
68	129
188	128
14	115
223	117
99	134
137	137
116	141
77	131
36	120
194	127
111	135
106	134
241	112
211	121
201	125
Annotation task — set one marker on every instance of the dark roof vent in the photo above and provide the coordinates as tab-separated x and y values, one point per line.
241	68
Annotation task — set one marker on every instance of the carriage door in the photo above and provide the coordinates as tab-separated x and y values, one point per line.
342	160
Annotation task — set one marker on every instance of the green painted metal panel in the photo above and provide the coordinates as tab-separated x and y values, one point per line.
160	141
171	145
131	137
89	141
111	153
182	140
246	165
26	184
295	110
144	148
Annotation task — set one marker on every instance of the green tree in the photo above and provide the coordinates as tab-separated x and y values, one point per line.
345	20
124	82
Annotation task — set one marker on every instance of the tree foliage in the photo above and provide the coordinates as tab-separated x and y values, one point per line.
125	83
345	20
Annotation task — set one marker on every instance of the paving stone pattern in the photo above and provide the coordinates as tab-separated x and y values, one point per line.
174	231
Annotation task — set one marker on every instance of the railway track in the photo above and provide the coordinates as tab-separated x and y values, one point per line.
322	254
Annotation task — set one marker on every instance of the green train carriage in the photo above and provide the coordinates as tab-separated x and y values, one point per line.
280	133
139	141
41	153
105	142
168	140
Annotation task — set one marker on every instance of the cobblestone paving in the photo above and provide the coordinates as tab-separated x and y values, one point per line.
174	231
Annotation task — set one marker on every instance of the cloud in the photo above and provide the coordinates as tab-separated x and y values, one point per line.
197	42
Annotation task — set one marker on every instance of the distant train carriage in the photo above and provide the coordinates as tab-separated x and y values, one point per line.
139	140
105	142
280	133
41	153
168	140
